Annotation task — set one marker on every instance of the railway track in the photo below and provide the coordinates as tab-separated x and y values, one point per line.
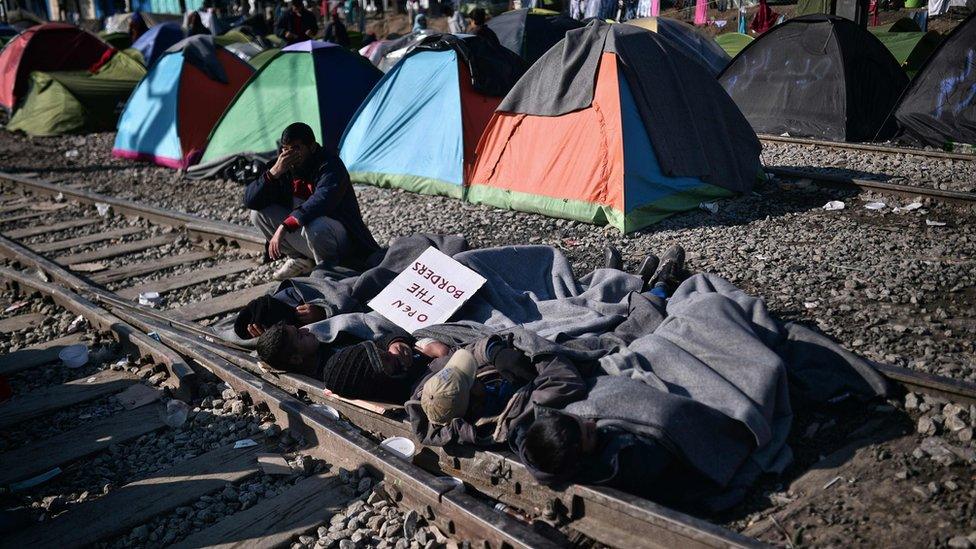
869	147
180	349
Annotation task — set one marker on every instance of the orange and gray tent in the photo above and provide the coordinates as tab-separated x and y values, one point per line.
694	43
418	129
49	47
614	125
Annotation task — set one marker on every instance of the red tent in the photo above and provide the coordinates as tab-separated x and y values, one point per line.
49	47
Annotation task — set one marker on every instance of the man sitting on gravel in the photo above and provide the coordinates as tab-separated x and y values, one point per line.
306	206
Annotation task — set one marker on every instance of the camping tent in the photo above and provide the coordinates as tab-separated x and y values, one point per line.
66	102
118	40
904	24
245	50
733	42
262	58
50	47
683	35
389	52
173	109
910	49
531	32
627	146
816	76
7	33
155	41
938	106
315	82
419	127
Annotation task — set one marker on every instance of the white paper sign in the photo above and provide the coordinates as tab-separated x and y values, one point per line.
427	292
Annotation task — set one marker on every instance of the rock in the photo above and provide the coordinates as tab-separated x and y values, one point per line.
365	484
158	378
347	544
954	423
410	524
911	401
237	407
960	542
141	533
307	541
228	394
926	426
965	435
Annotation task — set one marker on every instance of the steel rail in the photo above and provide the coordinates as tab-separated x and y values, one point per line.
955	197
866	147
246	237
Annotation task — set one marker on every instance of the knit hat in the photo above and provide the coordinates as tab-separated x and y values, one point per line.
353	372
265	311
446	394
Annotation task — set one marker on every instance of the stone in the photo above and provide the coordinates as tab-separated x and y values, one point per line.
237	407
365	484
960	542
141	533
926	426
911	401
954	423
307	541
965	435
410	524
347	544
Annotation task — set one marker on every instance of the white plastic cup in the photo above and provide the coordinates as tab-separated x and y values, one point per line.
74	356
402	447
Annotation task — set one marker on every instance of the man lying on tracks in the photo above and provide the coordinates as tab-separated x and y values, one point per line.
304	203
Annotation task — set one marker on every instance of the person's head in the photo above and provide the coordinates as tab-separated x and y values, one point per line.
295	5
556	443
335	14
355	371
287	347
478	15
420	22
447	10
446	394
300	138
264	311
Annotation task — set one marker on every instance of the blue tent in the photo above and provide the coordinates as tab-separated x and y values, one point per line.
157	40
419	127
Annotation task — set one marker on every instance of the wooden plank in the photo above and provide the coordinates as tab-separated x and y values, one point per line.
50	399
274	521
115	250
138	502
59	245
23	217
176	282
146	267
20	322
35	355
43	455
225	303
13	207
64	225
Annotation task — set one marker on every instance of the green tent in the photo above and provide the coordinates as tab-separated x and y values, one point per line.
901	25
910	49
260	59
118	40
733	42
233	37
76	101
810	7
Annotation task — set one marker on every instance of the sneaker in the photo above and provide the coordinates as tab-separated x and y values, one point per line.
293	267
647	269
671	273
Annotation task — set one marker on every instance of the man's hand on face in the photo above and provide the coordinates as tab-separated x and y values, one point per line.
289	159
402	353
310	34
308	314
255	330
290	35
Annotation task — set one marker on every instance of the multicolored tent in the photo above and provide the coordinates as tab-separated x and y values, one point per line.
733	42
910	49
939	106
622	143
817	76
173	109
531	32
419	127
315	82
683	35
77	101
154	42
49	47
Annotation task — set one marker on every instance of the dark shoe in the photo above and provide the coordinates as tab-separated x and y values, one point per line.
612	259
646	270
672	270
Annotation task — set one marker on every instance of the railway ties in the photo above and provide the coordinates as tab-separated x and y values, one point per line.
603	515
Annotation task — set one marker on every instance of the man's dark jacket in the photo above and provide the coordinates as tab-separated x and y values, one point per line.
333	196
286	22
